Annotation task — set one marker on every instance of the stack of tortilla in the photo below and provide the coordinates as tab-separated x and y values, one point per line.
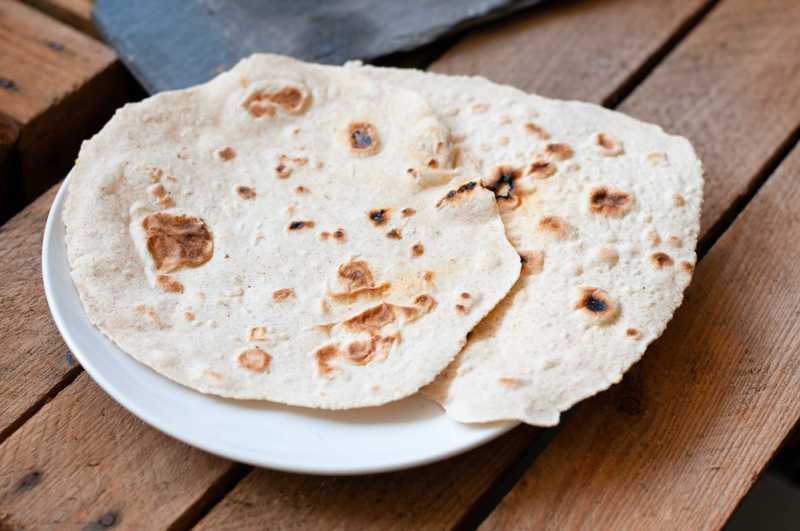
339	237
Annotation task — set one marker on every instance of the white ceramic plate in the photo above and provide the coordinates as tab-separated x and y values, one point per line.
403	434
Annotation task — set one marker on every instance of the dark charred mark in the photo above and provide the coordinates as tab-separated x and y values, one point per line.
299	225
464	188
593	304
364	140
29	481
406	212
8	84
361	138
502	183
379	216
54	45
607	202
339	235
394	234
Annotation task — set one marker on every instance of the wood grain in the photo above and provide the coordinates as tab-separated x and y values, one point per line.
731	87
571	50
59	87
76	13
679	444
33	361
83	462
431	497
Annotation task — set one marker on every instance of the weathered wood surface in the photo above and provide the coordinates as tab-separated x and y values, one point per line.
733	88
33	363
57	87
84	462
76	13
571	50
445	494
432	497
681	442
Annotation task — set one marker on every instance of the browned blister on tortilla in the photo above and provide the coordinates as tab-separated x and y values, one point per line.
177	241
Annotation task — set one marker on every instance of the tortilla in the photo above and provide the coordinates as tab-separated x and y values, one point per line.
604	210
284	232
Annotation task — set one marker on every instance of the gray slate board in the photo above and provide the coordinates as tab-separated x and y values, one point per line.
172	44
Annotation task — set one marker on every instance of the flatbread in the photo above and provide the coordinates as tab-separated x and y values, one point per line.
285	232
605	211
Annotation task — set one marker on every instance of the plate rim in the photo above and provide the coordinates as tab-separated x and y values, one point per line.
53	217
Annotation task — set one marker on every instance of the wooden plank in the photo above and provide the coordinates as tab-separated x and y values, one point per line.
76	13
84	463
573	51
431	497
732	88
33	360
58	86
681	443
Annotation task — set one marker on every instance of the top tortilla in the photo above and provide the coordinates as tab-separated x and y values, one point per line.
606	211
284	232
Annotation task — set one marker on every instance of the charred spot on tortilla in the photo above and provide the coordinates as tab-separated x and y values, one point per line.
282	170
371	320
245	192
457	192
541	169
554	225
300	225
532	262
356	275
559	151
254	359
226	154
595	303
407	212
282	294
394	234
339	235
323	356
609	145
177	241
634	333
169	284
425	302
502	182
257	333
379	216
687	266
536	131
263	103
417	249
301	189
363	139
610	203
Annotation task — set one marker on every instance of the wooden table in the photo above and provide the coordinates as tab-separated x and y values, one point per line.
676	445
